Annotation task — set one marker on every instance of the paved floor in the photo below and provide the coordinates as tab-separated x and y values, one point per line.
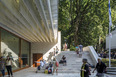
71	70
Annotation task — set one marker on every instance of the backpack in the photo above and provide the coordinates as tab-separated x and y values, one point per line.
38	67
46	71
49	71
57	64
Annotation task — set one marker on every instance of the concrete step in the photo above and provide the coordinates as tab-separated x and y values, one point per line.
111	73
111	68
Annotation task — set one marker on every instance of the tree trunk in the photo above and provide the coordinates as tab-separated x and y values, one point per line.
76	33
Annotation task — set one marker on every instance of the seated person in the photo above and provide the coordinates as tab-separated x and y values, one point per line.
64	60
50	67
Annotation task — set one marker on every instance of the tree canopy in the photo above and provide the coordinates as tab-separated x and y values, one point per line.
85	21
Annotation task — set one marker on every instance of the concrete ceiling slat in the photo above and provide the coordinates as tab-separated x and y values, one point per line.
10	5
28	16
12	31
4	13
35	20
29	19
11	17
41	11
33	11
14	28
54	8
50	14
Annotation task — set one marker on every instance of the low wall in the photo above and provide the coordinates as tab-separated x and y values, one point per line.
92	53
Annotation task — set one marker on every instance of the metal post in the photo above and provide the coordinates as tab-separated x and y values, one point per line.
109	47
110	24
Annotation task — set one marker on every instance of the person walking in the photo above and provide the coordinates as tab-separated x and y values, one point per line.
9	66
85	69
80	50
101	68
55	66
2	66
77	49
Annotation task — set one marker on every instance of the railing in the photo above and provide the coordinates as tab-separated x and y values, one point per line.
92	53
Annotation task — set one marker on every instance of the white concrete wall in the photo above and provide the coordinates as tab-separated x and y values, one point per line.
45	47
113	42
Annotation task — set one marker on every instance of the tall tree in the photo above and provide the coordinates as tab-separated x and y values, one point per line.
84	21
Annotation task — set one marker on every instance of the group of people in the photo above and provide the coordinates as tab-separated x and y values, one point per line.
6	63
100	67
79	50
106	55
52	67
49	69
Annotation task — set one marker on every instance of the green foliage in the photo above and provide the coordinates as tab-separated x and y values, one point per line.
72	48
113	62
84	21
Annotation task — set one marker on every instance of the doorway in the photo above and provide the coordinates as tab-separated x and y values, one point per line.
37	57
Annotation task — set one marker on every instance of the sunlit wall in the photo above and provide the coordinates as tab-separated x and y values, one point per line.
16	49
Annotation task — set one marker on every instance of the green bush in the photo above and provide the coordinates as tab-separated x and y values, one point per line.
72	48
113	62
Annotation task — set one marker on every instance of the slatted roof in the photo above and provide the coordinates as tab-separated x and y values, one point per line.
33	20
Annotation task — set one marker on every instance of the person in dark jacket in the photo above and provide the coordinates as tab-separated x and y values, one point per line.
2	66
101	68
114	56
85	69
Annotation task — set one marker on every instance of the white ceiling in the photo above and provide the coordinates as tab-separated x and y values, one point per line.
33	20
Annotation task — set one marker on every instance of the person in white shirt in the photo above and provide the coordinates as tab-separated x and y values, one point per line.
41	63
9	66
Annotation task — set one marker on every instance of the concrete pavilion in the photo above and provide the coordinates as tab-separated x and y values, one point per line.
28	31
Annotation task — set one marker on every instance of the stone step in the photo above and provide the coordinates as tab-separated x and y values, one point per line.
111	68
111	73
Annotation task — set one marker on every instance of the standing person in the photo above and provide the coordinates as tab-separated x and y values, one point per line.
44	61
101	54
81	50
77	49
85	69
55	66
54	52
101	68
114	56
65	49
105	55
57	50
2	66
9	66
